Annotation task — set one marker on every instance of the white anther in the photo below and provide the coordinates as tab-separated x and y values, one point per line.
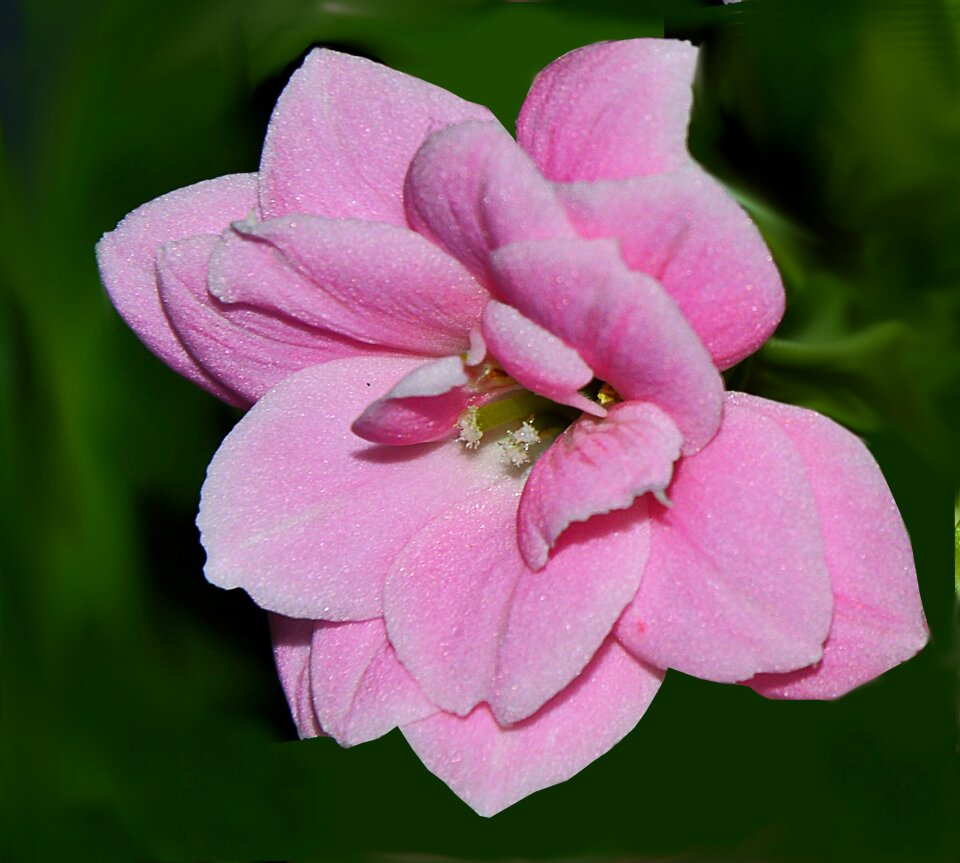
525	435
470	431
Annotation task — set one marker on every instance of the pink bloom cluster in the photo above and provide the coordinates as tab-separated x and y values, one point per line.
491	485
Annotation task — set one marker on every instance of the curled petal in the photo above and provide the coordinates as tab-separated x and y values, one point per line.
736	583
536	358
474	624
291	653
595	467
367	281
610	111
423	406
623	324
292	489
686	231
490	766
342	136
878	620
127	260
472	189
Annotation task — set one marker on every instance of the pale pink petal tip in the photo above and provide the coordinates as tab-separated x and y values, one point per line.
595	467
491	767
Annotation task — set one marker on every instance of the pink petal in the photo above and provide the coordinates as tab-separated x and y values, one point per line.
360	690
623	324
490	767
247	350
610	111
423	406
536	358
367	281
127	259
878	620
595	467
471	189
472	623
683	229
291	652
306	516
736	583
342	136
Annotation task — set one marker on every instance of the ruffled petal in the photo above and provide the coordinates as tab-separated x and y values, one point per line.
342	136
610	111
595	467
371	282
360	689
471	189
291	653
306	516
127	260
736	583
878	619
423	406
536	358
491	767
472	623
623	324
245	349
683	229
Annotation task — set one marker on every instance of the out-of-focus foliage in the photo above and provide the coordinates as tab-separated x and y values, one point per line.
140	714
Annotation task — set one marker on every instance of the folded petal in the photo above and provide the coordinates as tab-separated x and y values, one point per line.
368	281
536	358
594	467
292	490
471	189
683	229
490	766
472	623
878	619
245	349
423	406
342	136
127	260
621	322
610	111
736	583
291	653
360	689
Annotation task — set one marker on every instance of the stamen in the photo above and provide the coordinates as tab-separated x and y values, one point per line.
516	445
470	431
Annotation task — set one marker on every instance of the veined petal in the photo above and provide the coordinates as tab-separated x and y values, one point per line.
490	766
371	282
472	623
610	111
245	349
736	583
342	136
536	358
595	467
622	323
291	653
878	619
360	690
127	260
306	516
471	189
686	231
421	407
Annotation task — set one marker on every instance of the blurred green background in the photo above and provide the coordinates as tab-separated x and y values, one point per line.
141	717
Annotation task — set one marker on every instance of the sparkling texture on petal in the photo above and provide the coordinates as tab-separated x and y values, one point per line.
342	136
878	620
736	583
610	111
595	467
490	766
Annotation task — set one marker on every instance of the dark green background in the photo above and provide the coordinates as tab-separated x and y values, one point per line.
141	718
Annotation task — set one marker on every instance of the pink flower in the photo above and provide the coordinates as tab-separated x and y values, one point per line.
491	486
